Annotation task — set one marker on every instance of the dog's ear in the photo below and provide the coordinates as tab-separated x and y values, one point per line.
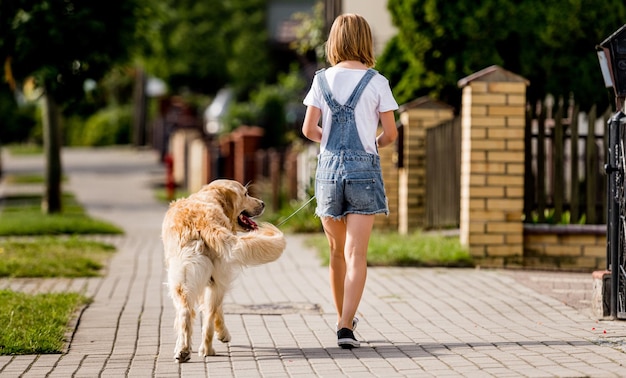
228	199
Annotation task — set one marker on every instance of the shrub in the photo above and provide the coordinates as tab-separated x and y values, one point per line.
16	121
109	126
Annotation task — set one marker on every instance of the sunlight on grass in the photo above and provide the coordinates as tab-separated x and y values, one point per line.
22	215
417	249
296	216
25	149
27	179
53	257
35	324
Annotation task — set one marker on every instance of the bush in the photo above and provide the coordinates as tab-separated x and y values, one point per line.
73	127
109	126
16	122
271	107
271	102
240	113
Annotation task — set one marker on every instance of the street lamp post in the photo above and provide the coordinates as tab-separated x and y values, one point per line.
612	57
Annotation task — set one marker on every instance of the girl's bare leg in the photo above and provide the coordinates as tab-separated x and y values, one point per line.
358	231
348	263
336	234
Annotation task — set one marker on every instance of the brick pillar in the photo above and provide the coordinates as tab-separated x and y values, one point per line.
388	164
492	166
416	116
197	163
179	148
246	141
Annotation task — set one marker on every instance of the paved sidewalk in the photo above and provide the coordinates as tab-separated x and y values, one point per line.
414	322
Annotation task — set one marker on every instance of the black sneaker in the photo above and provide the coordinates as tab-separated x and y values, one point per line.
346	339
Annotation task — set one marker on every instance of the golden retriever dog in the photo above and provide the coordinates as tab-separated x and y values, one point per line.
207	238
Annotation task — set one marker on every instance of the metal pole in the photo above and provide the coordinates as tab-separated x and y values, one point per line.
613	216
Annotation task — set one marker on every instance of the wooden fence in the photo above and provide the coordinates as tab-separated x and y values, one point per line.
443	175
564	174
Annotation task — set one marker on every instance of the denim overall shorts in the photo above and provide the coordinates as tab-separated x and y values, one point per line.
348	180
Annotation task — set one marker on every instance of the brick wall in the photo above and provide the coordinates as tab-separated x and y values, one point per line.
569	247
416	117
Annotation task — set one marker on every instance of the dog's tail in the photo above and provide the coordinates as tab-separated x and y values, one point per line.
262	246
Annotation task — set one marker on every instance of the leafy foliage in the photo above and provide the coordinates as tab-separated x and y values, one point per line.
109	126
310	33
16	122
552	44
62	43
272	107
184	43
202	46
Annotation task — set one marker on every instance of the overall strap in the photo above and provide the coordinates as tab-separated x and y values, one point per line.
354	97
356	94
328	96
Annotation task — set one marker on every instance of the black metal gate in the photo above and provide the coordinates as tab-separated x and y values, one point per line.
616	216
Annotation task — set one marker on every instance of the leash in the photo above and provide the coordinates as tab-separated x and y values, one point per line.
295	212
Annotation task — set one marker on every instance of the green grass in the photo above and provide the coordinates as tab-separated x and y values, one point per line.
25	149
417	249
298	216
22	215
28	179
161	195
35	324
53	257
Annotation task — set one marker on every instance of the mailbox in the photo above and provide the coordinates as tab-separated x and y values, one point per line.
612	56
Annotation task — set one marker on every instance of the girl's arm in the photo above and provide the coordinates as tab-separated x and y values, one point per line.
310	126
390	132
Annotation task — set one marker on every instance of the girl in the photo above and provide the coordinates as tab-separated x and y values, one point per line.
351	99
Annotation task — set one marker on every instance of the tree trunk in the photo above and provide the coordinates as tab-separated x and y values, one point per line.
52	149
139	109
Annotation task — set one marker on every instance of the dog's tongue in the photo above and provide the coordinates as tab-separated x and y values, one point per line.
248	222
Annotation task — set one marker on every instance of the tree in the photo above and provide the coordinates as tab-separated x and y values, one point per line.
550	43
61	44
185	44
310	34
204	45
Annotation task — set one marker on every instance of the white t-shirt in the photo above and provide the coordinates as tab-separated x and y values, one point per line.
376	98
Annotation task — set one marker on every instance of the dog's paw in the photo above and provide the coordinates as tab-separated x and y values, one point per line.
206	350
182	356
224	336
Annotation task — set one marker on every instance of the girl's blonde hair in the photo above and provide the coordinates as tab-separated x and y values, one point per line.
350	38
